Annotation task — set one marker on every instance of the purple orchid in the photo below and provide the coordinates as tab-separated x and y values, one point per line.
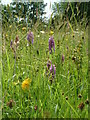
53	70
51	44
62	58
30	37
11	43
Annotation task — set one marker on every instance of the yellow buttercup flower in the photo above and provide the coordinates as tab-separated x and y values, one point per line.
26	83
24	28
51	32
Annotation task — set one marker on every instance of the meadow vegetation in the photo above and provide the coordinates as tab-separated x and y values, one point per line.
42	79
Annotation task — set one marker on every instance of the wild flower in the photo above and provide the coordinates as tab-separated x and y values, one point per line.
62	58
38	36
42	32
51	44
10	26
53	70
51	32
6	35
24	28
30	37
26	83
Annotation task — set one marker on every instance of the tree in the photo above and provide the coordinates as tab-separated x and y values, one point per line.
28	12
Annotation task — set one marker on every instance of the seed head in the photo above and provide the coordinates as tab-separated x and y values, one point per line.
81	106
79	95
87	101
35	107
10	103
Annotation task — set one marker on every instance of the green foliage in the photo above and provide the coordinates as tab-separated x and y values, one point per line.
23	13
73	11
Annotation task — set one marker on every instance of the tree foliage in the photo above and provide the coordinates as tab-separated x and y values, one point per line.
27	12
72	10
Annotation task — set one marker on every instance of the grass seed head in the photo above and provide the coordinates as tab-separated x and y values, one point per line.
66	97
87	101
35	107
62	93
80	96
10	103
81	106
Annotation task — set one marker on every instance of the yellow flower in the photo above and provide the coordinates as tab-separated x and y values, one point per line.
26	83
6	35
24	28
51	32
10	26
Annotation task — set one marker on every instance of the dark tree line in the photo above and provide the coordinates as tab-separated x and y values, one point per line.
23	12
72	10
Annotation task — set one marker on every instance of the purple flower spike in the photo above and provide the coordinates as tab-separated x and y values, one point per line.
11	43
51	44
30	37
53	70
62	58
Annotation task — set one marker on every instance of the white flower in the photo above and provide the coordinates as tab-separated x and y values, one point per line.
27	44
42	32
